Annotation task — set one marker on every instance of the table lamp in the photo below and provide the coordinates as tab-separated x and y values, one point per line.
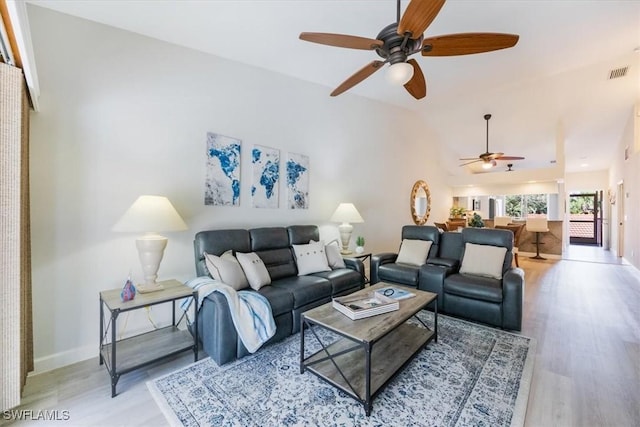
346	213
150	214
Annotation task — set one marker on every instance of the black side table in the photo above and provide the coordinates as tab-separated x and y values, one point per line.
125	355
363	257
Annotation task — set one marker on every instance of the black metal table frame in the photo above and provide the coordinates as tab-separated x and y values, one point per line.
112	367
367	346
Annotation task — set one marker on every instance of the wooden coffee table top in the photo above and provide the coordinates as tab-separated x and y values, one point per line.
372	328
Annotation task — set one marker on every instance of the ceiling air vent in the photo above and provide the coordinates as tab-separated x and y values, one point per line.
618	72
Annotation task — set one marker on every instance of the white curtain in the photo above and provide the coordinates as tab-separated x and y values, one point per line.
16	334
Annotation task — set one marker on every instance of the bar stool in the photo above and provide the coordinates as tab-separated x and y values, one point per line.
537	224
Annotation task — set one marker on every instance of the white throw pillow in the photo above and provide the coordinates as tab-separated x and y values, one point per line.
311	258
254	269
334	259
226	269
414	252
483	260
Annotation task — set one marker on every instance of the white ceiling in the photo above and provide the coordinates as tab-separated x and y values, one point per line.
553	85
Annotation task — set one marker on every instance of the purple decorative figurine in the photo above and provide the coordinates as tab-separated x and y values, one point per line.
128	291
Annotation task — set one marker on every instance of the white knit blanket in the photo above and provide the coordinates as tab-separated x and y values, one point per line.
250	311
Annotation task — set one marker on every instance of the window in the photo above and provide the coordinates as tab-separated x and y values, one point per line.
521	205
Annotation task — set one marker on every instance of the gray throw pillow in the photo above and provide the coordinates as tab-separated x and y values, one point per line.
255	270
483	260
414	252
226	269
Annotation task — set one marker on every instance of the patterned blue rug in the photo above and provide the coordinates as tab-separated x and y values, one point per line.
473	376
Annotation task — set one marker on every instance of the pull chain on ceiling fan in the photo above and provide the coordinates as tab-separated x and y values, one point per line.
489	159
405	37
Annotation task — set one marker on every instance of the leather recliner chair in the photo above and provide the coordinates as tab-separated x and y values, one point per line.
384	267
497	302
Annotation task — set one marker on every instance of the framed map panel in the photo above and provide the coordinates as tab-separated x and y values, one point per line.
265	163
222	180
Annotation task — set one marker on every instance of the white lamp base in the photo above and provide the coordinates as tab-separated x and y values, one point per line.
145	289
345	235
150	250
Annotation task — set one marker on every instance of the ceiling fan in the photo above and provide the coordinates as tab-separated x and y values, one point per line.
489	159
397	41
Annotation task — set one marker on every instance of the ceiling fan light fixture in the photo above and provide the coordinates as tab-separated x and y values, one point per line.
399	73
488	164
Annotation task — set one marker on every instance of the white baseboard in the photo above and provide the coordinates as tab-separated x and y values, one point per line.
58	360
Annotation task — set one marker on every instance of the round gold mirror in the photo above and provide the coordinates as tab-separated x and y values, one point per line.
420	202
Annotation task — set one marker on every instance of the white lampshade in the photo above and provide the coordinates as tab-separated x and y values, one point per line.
399	73
346	213
150	214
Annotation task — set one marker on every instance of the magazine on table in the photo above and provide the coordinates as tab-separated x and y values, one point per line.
362	306
395	293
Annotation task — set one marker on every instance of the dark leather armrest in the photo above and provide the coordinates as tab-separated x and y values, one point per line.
512	299
354	264
378	260
432	280
216	329
450	263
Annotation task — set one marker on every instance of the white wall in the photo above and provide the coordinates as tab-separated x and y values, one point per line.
124	115
586	181
627	171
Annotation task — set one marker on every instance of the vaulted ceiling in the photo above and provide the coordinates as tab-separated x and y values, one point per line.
551	90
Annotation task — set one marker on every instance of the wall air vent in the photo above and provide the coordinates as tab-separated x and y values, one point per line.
618	72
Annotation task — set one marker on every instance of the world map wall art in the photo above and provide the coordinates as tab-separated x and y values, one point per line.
265	163
222	181
297	181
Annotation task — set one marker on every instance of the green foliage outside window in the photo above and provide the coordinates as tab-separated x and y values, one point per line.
581	204
521	205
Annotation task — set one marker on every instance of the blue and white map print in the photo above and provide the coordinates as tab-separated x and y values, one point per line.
266	176
222	181
298	181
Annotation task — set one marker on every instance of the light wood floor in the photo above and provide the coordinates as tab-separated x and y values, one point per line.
584	315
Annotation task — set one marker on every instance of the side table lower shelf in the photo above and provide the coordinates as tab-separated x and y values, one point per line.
140	350
125	355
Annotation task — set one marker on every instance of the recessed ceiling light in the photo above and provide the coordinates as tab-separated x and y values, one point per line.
637	50
532	182
584	165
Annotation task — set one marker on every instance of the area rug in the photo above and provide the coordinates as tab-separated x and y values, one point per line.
473	376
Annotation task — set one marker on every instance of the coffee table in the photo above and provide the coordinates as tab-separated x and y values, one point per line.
371	351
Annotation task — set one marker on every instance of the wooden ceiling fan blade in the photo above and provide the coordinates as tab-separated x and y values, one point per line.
470	158
418	16
492	156
474	161
467	43
417	86
509	158
342	40
357	77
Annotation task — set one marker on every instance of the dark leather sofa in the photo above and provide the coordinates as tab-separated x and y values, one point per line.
497	302
288	294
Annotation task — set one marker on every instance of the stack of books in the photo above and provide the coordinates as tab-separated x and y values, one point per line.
363	306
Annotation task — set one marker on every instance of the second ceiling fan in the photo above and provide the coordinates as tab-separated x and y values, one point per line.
489	159
405	37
